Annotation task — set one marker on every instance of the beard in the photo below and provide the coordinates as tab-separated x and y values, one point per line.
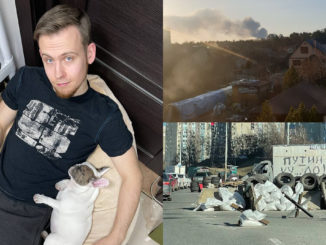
68	93
65	95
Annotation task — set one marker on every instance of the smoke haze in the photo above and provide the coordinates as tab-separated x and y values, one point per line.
211	25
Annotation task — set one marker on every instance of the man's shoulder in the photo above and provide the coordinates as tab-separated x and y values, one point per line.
104	103
33	70
28	72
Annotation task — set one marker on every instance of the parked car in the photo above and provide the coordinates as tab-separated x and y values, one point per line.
186	181
180	180
167	188
197	180
199	176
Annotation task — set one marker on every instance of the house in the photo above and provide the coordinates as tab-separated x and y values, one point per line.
248	91
309	59
304	92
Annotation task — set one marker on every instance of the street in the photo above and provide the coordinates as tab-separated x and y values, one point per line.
182	226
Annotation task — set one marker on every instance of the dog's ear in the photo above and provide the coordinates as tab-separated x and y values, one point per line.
100	182
102	171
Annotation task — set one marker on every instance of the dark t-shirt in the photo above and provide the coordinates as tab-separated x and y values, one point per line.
50	134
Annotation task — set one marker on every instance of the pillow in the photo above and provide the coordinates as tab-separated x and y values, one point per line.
106	204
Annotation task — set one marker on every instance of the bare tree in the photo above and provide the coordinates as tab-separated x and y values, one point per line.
271	135
191	148
299	135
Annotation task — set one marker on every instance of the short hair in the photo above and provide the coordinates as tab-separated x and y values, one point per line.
62	16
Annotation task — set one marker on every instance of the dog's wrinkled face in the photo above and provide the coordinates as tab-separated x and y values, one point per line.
82	174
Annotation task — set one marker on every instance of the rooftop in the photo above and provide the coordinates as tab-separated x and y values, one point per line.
308	93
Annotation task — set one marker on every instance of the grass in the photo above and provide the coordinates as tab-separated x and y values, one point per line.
242	171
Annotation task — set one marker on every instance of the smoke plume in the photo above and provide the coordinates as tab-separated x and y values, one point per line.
211	25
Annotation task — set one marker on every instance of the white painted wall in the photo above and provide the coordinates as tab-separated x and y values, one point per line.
9	17
299	159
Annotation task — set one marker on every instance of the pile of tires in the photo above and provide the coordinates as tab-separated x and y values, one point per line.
194	186
309	181
206	181
321	179
215	181
284	179
257	178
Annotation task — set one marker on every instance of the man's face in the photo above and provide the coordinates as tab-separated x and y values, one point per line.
66	61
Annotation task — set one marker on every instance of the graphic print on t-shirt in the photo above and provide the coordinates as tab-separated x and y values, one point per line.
45	128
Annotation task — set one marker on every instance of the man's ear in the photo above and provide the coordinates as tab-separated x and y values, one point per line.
102	170
91	53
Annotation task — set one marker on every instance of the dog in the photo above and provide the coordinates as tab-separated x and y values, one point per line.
71	217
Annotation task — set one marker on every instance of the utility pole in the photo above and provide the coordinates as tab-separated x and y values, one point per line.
288	133
180	152
181	139
226	151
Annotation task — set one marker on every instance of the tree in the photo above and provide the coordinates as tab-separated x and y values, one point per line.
299	135
272	37
191	148
301	114
291	78
289	117
266	114
313	115
296	115
246	145
271	135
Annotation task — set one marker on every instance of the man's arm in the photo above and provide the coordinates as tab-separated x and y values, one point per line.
128	167
7	116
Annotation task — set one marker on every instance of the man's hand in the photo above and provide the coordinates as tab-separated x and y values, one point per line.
127	166
7	116
109	240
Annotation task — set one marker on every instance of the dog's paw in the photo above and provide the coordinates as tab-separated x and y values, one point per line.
61	185
38	198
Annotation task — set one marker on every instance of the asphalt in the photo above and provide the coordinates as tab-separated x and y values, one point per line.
182	226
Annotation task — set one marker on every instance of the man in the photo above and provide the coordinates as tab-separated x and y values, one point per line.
57	121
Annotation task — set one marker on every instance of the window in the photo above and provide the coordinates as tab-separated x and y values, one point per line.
296	62
304	50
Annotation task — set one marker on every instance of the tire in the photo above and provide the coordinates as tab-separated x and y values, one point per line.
284	179
261	178
255	180
309	181
206	183
321	179
169	198
215	181
194	186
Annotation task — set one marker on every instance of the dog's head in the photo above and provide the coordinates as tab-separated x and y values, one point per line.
86	174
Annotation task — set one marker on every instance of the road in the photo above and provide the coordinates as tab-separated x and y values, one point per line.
182	226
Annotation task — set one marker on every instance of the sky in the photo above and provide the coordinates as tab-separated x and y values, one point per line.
210	20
